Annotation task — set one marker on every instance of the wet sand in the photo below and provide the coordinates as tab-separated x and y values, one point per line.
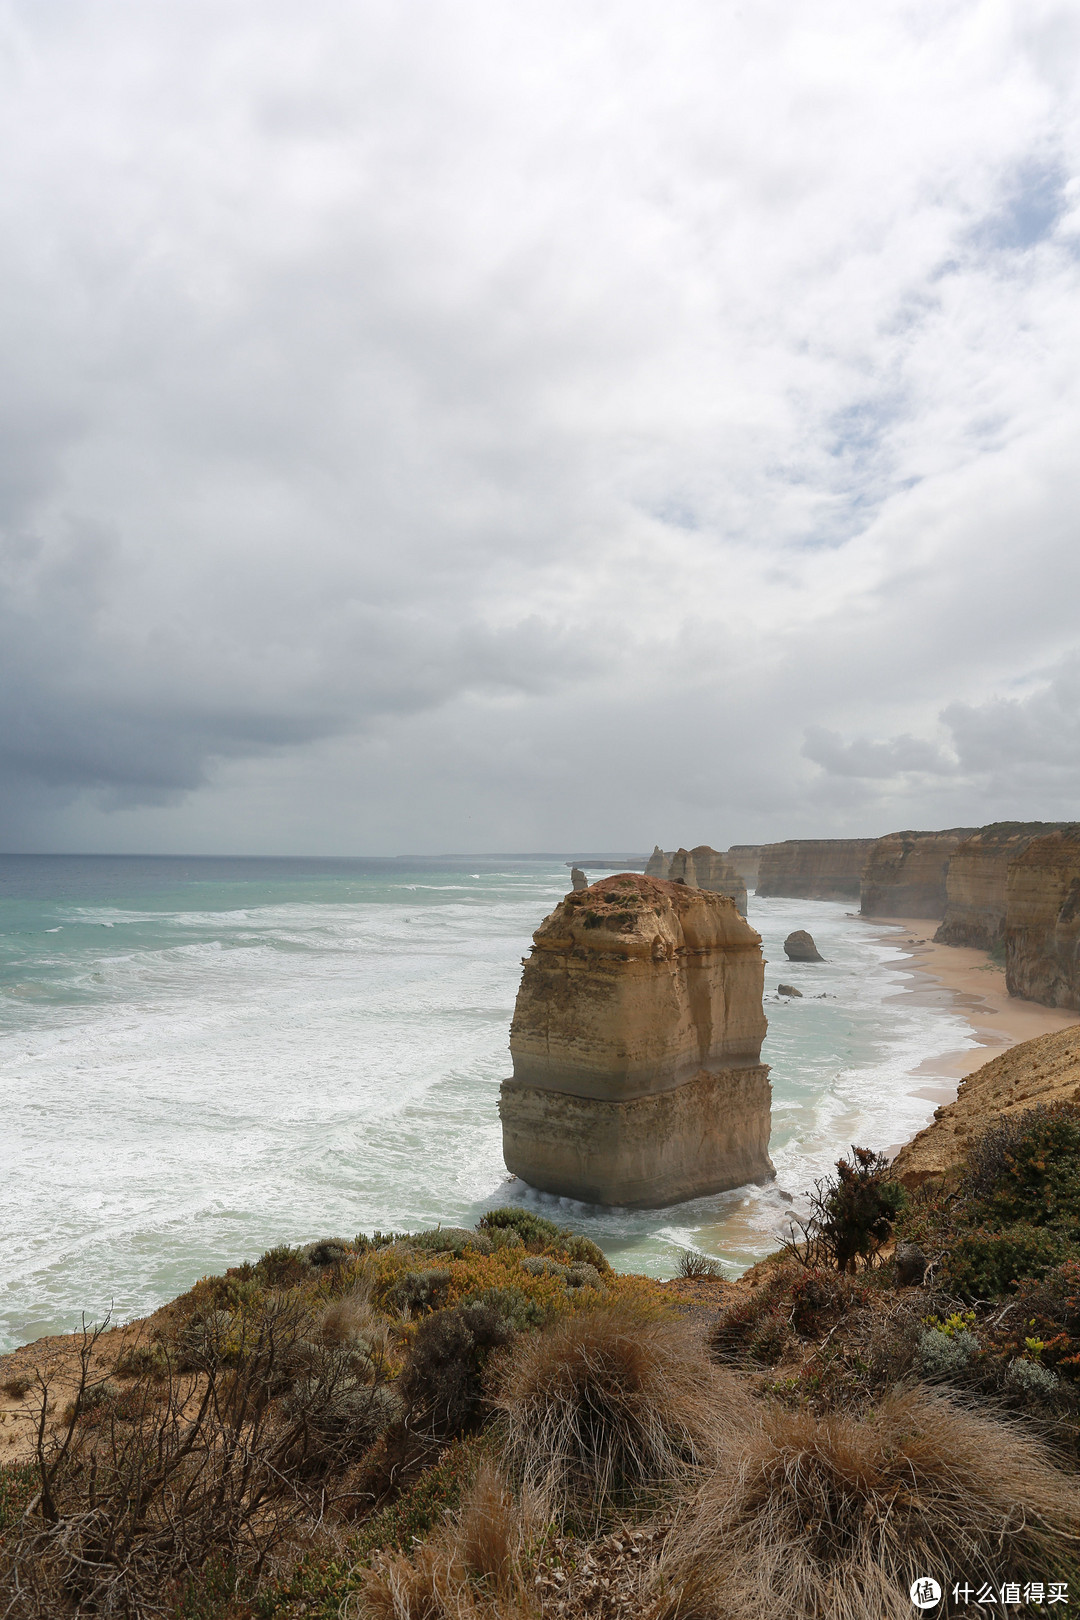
968	982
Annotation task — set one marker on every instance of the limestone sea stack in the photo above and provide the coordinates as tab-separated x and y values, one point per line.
800	947
636	1042
905	873
658	864
578	880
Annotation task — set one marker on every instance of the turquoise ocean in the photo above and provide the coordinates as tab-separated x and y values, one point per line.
200	1058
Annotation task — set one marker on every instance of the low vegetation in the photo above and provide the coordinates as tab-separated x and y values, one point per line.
493	1425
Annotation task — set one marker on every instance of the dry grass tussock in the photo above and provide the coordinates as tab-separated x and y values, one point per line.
477	1568
832	1518
604	1407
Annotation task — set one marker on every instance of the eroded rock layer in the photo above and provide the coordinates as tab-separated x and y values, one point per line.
976	883
705	868
745	858
813	868
1042	927
1043	1071
905	873
636	1039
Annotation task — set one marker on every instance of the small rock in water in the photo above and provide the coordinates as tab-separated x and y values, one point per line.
788	990
800	947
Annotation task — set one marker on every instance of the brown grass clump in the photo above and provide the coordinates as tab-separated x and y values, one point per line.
833	1518
605	1405
475	1569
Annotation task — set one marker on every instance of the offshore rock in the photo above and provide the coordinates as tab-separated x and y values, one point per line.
788	990
800	947
578	879
1042	921
636	1042
658	864
905	873
976	883
813	868
705	868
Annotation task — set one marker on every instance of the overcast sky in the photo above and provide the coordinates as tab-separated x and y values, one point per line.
536	425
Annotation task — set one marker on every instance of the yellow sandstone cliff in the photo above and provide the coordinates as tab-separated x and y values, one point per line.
705	868
976	883
636	1042
1042	921
813	868
905	873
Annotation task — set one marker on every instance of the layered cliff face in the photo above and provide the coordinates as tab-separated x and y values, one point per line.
705	868
1043	1071
745	858
813	868
659	864
636	1040
905	873
977	880
1042	926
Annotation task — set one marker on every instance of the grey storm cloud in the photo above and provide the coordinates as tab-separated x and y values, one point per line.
461	426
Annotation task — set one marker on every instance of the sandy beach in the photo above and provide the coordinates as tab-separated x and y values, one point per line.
968	982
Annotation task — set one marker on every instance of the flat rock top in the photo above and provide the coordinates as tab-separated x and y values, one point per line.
629	912
1045	1070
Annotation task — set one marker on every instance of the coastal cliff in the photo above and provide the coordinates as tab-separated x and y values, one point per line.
1045	1070
976	882
1042	925
636	1041
813	868
705	868
745	858
905	873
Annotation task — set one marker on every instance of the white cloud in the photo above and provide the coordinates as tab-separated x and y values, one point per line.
462	419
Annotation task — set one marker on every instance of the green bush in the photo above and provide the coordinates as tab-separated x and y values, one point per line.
536	1232
1014	1211
585	1251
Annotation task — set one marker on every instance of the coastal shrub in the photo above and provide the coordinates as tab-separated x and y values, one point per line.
417	1291
1012	1212
1045	1321
535	1232
603	1405
1032	1380
836	1515
761	1327
851	1214
143	1358
326	1252
692	1264
583	1276
191	1471
513	1305
474	1568
576	1247
541	1265
453	1240
945	1356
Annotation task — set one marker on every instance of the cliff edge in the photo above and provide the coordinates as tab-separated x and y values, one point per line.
976	882
1045	1070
